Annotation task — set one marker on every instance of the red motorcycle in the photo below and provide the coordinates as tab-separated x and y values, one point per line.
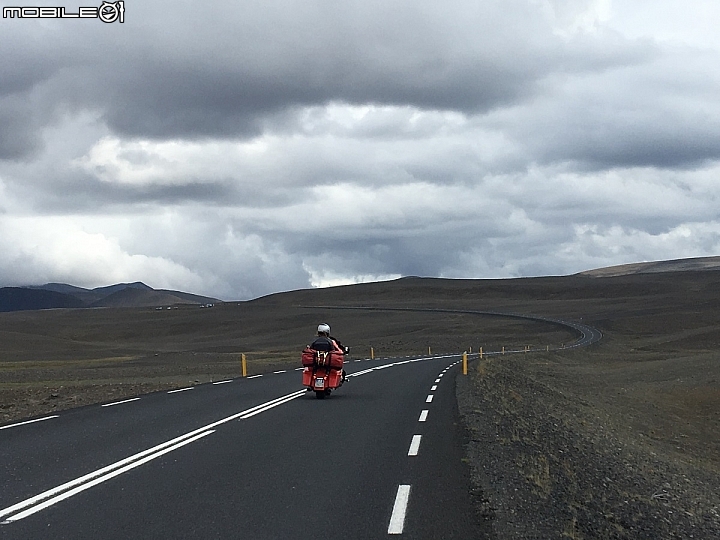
323	371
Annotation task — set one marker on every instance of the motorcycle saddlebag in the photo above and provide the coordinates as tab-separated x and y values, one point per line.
336	360
307	377
308	357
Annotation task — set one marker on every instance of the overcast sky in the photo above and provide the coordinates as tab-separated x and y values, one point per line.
236	148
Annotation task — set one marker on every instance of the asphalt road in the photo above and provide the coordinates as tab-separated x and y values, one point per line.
250	458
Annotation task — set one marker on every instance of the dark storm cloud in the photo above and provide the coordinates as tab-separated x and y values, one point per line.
86	194
217	69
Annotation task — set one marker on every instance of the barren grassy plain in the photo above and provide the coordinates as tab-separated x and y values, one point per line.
617	440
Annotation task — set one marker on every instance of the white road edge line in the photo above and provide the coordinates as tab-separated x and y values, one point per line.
281	371
223	382
397	519
90	476
30	421
120	402
101	479
414	445
254	376
423	416
429	398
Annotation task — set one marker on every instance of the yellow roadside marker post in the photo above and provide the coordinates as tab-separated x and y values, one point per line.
243	361
480	353
429	351
372	353
464	363
548	348
503	349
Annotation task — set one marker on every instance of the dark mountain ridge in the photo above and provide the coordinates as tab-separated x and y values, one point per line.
62	295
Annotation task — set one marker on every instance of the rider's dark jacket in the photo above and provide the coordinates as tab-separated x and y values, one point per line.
324	343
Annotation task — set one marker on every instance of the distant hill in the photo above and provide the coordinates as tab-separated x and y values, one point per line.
675	265
61	295
19	298
134	297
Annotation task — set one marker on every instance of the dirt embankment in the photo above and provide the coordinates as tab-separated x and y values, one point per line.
557	453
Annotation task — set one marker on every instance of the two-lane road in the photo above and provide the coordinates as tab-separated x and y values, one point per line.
250	458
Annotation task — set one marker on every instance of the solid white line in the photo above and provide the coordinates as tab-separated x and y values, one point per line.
101	479
223	382
397	520
363	372
299	368
423	416
281	371
30	421
414	445
254	377
433	387
181	390
120	402
429	398
297	395
90	476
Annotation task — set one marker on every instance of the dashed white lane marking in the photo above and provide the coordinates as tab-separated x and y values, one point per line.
30	421
397	519
254	377
120	402
358	360
433	387
414	445
281	371
429	398
181	390
299	368
437	380
223	382
423	416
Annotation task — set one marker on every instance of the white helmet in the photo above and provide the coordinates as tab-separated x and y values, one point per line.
323	329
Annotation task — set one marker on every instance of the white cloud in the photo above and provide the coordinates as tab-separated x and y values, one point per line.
38	250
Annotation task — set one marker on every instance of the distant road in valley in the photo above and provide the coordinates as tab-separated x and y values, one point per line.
587	334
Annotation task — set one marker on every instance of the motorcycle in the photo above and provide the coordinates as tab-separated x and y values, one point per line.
323	371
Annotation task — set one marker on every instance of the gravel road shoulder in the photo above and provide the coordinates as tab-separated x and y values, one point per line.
551	464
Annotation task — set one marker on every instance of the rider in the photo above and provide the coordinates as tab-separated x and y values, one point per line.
325	342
